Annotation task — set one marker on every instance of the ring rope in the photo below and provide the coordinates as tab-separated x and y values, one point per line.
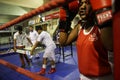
33	76
46	7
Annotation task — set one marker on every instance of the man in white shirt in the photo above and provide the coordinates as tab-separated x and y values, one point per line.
33	35
19	39
45	38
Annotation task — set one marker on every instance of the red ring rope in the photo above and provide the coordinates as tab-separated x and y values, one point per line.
46	7
22	71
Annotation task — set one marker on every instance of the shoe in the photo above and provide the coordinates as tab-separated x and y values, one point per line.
30	60
30	56
29	64
37	57
52	70
23	65
42	71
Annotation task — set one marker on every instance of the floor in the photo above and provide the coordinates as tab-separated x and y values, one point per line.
66	70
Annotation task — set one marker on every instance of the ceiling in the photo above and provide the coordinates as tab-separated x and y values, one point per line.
10	9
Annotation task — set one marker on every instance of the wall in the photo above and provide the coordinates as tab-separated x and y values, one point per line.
52	26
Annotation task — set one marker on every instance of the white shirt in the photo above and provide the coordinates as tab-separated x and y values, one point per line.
45	38
20	38
33	35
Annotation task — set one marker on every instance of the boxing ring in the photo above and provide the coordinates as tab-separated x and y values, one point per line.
53	4
46	7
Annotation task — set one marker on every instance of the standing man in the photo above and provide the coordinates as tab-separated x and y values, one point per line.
45	38
19	38
33	35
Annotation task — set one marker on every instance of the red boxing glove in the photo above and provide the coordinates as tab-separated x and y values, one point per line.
62	14
74	6
102	10
67	13
69	10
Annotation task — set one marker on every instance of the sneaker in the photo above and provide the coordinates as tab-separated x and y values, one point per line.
31	56
42	71
23	65
29	64
37	57
30	60
52	70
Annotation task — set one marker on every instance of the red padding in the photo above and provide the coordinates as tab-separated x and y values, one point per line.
116	30
63	14
74	6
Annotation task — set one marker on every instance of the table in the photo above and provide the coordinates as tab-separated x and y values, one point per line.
37	50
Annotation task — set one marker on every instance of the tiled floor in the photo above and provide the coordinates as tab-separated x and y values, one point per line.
65	70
